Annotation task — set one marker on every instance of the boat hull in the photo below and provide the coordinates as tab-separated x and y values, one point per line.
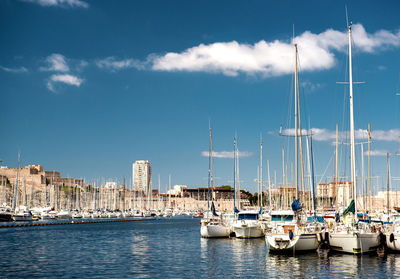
215	231
64	216
395	243
5	217
21	218
248	230
354	242
281	243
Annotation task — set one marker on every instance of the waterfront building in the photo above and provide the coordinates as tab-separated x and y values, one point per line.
177	190
330	193
141	171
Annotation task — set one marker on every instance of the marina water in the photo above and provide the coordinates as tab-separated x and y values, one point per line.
166	248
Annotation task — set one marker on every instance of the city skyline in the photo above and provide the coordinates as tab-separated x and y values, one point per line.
90	87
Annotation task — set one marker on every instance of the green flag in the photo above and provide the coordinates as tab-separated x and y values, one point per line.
350	208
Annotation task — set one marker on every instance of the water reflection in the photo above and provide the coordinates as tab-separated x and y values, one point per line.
240	256
167	249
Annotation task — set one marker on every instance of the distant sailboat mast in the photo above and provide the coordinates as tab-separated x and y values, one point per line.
210	174
234	175
261	171
16	183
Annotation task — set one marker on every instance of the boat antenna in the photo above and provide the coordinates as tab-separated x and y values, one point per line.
348	24
293	33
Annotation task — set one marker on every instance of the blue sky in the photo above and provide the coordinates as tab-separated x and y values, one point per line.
88	87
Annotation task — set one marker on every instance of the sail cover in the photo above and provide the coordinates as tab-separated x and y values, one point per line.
296	205
213	209
350	208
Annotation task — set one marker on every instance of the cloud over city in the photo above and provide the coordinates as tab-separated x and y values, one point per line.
64	78
226	154
391	135
274	58
58	63
55	62
113	64
60	3
14	70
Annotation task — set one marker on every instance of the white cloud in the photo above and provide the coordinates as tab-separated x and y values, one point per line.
316	52
226	154
376	153
56	62
82	64
391	135
60	3
14	70
310	86
112	64
65	78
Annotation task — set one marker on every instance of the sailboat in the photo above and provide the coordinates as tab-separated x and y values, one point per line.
247	223
352	237
213	226
287	233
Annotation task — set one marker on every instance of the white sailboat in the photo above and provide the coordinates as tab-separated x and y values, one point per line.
22	213
213	226
63	214
393	236
286	232
247	223
353	238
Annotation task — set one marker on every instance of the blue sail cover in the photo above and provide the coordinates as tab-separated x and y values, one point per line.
260	212
296	205
213	209
318	219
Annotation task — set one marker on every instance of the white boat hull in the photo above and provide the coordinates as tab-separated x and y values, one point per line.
22	218
45	217
246	230
214	231
353	242
395	244
299	243
63	216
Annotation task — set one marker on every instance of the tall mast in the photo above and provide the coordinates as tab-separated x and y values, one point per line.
312	176
16	183
209	173
352	134
169	199
369	166
283	166
234	174
258	185
269	187
159	192
295	122
261	171
211	161
336	167
362	175
387	185
237	175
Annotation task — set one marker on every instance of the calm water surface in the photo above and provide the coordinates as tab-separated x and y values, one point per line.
167	248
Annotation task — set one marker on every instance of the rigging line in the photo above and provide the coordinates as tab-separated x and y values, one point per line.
303	101
323	175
